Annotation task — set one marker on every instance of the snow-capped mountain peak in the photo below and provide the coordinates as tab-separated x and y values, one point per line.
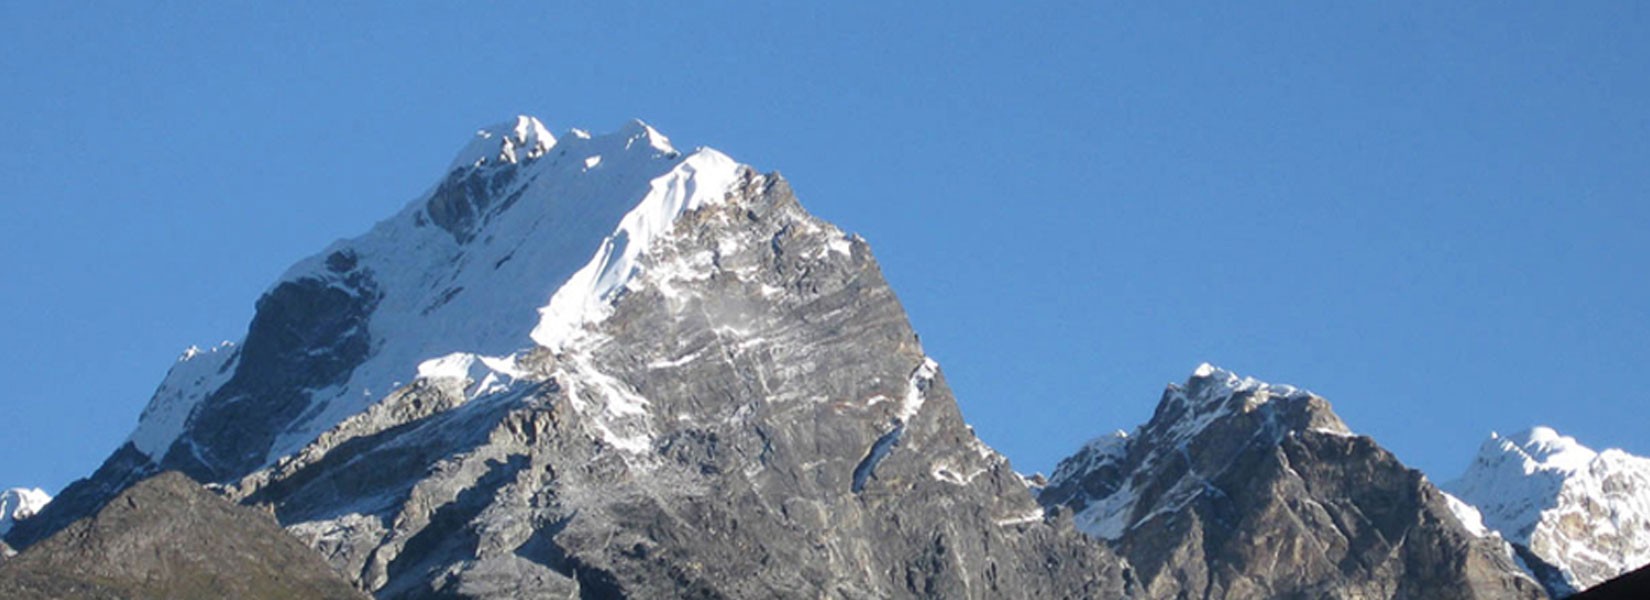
505	143
1587	513
1545	450
526	242
1212	403
20	503
1212	393
638	131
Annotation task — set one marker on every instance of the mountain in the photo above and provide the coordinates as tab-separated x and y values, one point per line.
17	504
597	365
166	537
1238	488
1584	513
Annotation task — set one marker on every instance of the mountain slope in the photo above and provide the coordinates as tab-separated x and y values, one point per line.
597	365
1237	488
1586	513
167	538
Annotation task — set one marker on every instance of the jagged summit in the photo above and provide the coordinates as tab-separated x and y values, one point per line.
525	250
1212	393
1240	488
1586	513
595	366
524	138
1212	402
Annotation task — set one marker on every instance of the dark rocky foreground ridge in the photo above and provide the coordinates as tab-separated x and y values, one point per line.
166	537
748	415
1635	585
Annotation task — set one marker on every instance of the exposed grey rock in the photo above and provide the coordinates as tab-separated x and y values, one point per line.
1239	489
166	537
83	497
768	362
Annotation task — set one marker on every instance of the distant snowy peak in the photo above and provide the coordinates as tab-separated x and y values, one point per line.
1542	449
1212	403
1212	393
505	143
1585	512
17	504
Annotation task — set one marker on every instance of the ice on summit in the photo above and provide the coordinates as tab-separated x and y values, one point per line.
1585	512
583	210
505	143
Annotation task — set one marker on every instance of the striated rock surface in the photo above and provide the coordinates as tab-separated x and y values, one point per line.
1240	489
166	537
597	366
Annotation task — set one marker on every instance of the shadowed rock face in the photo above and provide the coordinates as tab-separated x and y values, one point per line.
766	359
1634	585
306	335
1240	489
166	537
83	497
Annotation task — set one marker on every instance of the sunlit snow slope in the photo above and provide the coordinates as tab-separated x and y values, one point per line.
1585	512
448	289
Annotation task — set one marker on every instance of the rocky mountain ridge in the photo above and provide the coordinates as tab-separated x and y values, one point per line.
597	366
1239	488
166	537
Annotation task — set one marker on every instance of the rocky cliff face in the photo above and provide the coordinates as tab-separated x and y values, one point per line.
755	419
1240	489
603	367
165	537
1584	515
597	366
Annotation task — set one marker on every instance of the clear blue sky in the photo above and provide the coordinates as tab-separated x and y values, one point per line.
1436	215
